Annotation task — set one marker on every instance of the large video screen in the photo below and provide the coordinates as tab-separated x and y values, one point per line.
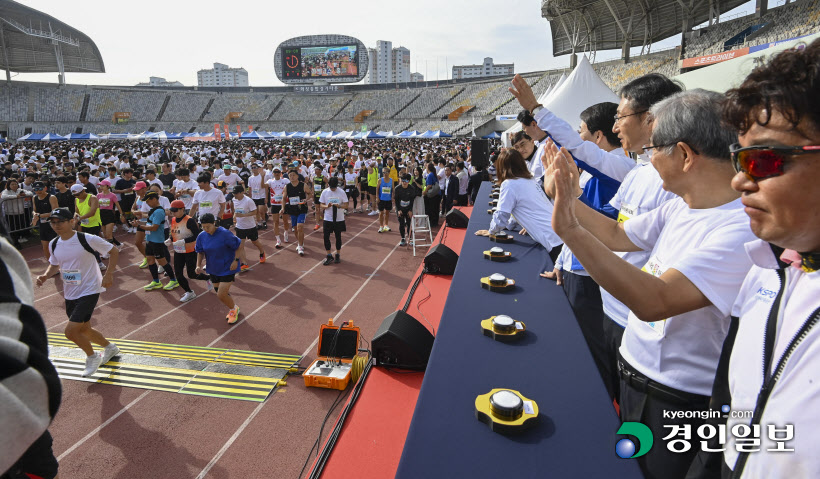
320	62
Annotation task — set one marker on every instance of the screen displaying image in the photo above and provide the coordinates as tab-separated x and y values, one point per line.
320	62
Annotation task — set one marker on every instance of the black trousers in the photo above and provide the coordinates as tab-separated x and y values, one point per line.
404	221
584	296
183	261
613	334
431	207
335	227
462	199
648	408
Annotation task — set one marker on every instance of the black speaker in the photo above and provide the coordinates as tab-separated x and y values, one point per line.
480	153
456	219
402	342
440	260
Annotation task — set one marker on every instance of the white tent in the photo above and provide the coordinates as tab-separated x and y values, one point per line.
505	137
723	76
581	89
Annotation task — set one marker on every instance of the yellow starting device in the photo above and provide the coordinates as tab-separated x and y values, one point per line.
506	411
498	283
338	360
501	237
497	253
503	328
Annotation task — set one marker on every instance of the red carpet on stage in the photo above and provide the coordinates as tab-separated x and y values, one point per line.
373	436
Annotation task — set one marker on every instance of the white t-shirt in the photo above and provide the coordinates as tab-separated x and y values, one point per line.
330	197
277	189
79	269
208	201
641	191
706	246
186	185
163	203
230	180
795	397
245	205
256	186
526	200
351	179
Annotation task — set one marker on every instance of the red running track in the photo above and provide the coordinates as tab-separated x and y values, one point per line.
105	431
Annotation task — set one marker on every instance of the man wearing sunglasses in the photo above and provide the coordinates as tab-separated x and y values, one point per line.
680	301
771	357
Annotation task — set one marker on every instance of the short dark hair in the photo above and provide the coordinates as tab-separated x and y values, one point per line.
62	179
203	178
789	83
84	174
183	172
601	117
646	90
333	182
518	136
525	117
127	170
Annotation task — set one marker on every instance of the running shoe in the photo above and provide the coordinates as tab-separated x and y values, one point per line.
91	364
278	243
287	240
381	229
209	286
387	228
144	263
316	227
373	213
173	284
189	295
233	315
104	256
328	260
300	250
263	257
244	268
152	286
109	352
403	242
103	267
337	260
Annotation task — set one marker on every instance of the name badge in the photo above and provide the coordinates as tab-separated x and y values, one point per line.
72	276
626	212
656	269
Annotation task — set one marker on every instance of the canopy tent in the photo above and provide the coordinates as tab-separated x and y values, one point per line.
434	134
42	137
386	134
542	100
492	136
367	135
299	134
581	89
723	76
159	135
277	134
176	136
342	135
254	135
325	134
82	136
408	134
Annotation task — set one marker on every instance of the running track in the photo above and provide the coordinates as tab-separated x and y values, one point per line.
105	431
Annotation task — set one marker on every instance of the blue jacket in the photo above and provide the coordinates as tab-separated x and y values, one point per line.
220	251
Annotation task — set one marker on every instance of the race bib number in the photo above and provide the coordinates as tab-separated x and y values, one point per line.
335	201
255	191
240	211
385	190
166	187
626	212
85	222
72	276
656	269
205	204
404	203
293	200
185	196
179	246
350	182
277	198
317	187
105	202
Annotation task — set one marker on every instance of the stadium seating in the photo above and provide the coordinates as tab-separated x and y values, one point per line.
616	73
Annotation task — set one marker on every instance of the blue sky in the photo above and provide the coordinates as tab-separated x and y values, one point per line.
174	39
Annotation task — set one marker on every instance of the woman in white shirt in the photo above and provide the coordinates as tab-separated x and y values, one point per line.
523	197
16	209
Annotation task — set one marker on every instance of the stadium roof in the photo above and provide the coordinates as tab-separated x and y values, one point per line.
32	42
591	25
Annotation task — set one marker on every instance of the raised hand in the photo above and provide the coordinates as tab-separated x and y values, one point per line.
523	93
563	210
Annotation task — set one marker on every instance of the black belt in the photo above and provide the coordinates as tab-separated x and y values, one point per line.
640	382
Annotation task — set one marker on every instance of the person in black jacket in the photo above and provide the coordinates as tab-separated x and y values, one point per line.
475	182
449	189
404	195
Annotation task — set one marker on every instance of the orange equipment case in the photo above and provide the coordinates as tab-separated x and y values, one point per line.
332	367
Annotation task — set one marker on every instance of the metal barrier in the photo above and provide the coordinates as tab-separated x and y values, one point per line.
16	214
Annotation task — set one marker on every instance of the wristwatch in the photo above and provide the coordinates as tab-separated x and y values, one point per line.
537	109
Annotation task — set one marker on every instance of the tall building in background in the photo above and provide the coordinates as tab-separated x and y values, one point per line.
222	75
159	81
488	69
388	64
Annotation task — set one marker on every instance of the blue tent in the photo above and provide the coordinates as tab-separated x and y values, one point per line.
176	136
42	137
254	135
434	134
326	134
277	134
492	136
408	134
367	135
299	134
82	136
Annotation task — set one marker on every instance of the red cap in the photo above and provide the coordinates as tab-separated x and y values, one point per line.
178	204
140	185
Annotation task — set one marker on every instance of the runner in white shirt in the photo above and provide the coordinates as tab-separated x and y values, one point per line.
256	184
244	214
229	176
333	201
276	192
82	284
680	302
184	188
207	199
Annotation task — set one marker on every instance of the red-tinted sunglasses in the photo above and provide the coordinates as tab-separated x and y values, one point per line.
761	162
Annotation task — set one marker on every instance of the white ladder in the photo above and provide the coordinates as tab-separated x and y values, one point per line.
420	226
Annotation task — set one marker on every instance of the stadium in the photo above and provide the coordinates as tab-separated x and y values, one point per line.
433	341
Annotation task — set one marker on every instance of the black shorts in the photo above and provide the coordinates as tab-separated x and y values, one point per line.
108	217
38	460
333	226
226	223
275	209
259	201
352	192
385	205
157	250
371	190
222	279
46	233
79	310
249	234
92	230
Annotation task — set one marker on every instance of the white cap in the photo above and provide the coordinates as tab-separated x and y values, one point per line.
76	188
